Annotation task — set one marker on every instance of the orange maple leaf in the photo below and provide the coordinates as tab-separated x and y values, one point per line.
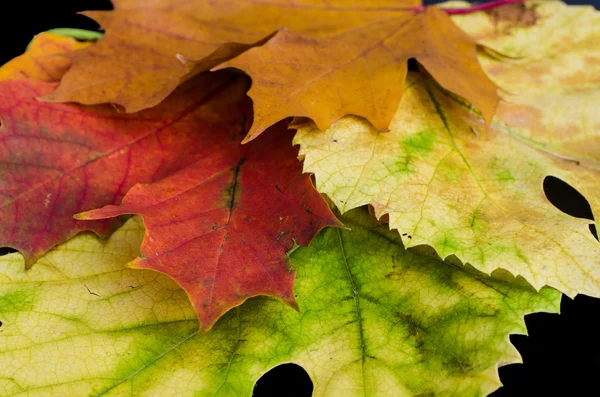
321	60
43	60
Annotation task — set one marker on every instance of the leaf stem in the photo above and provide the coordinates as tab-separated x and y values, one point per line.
479	7
79	34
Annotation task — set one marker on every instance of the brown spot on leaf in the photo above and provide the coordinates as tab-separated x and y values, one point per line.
512	16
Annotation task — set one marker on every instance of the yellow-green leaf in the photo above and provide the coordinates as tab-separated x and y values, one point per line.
374	320
446	183
549	74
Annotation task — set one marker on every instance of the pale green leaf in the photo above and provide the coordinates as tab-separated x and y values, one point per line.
374	320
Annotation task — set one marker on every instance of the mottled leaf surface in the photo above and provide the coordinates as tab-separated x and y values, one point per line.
57	160
222	226
545	55
349	53
482	199
479	199
43	60
374	320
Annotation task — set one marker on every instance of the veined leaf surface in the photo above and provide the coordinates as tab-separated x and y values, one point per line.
222	226
351	54
482	199
221	216
374	320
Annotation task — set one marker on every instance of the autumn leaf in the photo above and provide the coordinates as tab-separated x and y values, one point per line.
43	60
479	200
375	320
222	227
226	222
321	60
55	157
483	201
224	239
550	78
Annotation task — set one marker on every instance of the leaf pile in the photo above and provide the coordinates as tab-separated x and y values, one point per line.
416	295
431	162
236	210
330	60
374	320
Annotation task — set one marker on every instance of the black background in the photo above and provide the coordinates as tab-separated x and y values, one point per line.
562	352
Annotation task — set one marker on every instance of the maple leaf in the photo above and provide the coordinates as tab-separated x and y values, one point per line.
479	200
55	157
484	201
55	165
375	320
546	58
222	227
351	54
42	61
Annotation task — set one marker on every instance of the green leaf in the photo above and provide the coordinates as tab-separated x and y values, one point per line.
374	320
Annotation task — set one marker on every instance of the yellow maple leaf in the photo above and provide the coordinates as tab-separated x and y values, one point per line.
549	73
482	200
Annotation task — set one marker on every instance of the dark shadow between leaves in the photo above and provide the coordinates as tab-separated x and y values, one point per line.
284	380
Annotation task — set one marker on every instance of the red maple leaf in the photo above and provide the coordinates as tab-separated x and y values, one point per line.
57	160
220	216
222	227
